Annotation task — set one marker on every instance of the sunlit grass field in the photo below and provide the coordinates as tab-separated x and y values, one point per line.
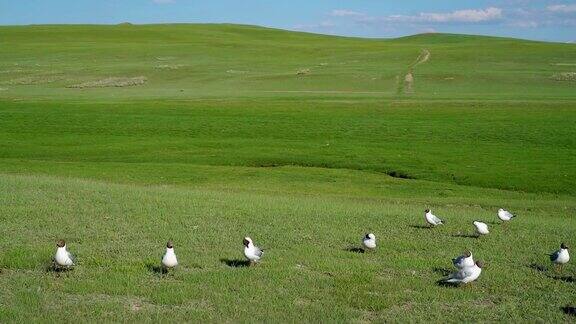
303	142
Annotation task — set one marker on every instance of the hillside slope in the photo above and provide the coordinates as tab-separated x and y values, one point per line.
199	61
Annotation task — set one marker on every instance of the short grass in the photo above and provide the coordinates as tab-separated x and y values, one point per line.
506	145
118	233
230	141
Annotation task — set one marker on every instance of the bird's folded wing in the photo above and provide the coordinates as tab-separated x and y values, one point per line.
554	255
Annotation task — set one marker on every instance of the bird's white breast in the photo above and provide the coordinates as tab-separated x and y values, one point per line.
481	228
169	260
369	243
504	215
563	256
250	252
432	219
62	257
472	274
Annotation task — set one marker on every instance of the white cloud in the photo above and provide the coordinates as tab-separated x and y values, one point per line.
458	16
346	13
551	16
562	8
467	16
163	1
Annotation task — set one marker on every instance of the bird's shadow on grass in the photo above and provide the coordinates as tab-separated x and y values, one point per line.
235	263
568	279
466	236
537	267
442	271
421	226
443	283
54	268
543	269
569	310
156	268
355	249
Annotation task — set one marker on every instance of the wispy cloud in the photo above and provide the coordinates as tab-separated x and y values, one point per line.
550	16
458	16
500	15
562	8
346	13
466	16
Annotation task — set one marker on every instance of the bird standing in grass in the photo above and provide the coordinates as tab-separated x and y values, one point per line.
481	228
169	259
369	241
63	258
463	261
505	215
431	219
466	275
251	251
561	256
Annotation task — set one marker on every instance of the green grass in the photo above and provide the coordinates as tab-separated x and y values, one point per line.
118	232
229	141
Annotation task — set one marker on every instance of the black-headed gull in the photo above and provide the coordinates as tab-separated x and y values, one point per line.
466	275
431	219
464	261
505	215
169	259
63	258
251	251
561	256
481	228
369	241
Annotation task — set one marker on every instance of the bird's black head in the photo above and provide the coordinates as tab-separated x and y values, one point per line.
61	243
467	253
480	264
427	211
170	244
563	246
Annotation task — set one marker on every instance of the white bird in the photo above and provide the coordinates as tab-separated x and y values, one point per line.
505	215
466	275
561	256
431	219
169	259
481	228
464	261
251	251
63	258
369	241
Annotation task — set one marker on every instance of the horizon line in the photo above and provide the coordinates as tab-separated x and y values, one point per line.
128	23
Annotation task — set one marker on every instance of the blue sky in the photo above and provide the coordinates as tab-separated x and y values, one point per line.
531	19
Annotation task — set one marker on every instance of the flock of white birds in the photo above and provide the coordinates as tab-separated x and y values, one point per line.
468	270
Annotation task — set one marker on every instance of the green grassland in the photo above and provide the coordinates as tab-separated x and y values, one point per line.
303	142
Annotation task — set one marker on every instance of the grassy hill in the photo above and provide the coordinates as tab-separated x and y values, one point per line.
211	61
118	138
